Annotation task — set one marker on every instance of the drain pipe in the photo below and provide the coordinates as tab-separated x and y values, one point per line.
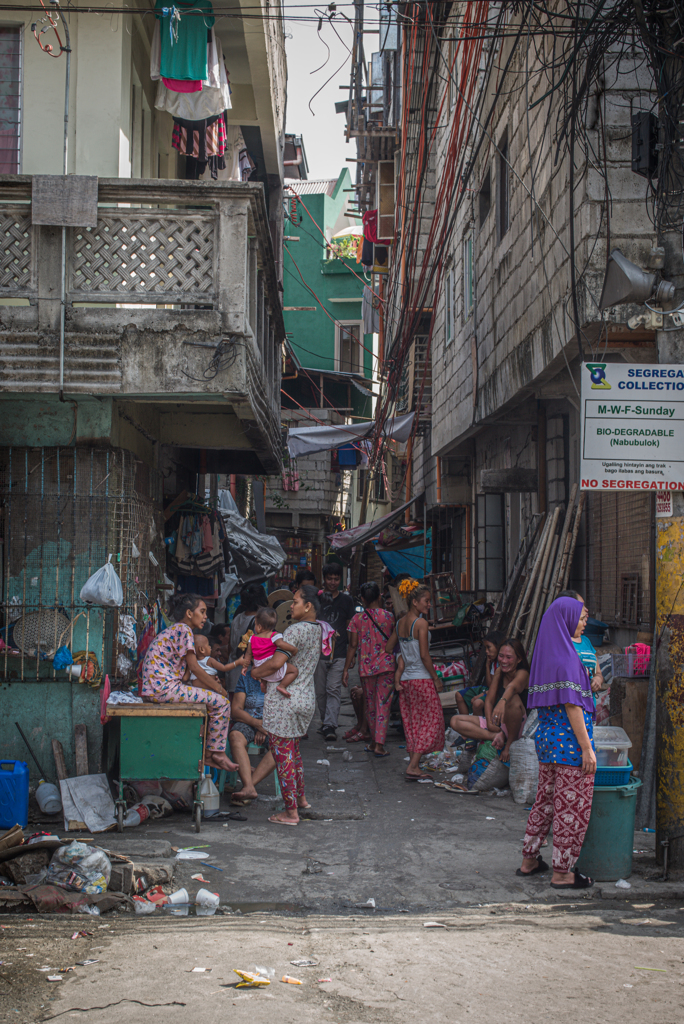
62	310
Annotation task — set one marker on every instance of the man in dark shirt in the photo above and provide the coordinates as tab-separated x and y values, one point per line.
337	608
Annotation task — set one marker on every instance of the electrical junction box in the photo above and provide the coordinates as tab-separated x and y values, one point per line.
644	144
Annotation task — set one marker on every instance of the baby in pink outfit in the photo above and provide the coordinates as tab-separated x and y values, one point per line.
263	644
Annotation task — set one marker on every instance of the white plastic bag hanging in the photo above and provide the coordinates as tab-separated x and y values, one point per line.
103	587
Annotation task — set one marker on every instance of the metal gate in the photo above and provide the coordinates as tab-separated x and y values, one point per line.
63	511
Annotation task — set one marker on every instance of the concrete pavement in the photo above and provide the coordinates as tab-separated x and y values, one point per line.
560	963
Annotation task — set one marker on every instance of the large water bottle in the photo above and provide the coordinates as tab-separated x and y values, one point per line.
48	797
210	797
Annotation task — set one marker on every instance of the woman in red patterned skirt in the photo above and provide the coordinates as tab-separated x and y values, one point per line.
416	681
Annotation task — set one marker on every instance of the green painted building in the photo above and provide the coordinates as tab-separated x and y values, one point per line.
328	369
323	295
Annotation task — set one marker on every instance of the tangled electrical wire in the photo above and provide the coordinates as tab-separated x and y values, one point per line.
564	57
225	356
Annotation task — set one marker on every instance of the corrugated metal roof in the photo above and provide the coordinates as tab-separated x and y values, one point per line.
311	188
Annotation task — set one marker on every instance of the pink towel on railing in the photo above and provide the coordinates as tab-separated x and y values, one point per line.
176	85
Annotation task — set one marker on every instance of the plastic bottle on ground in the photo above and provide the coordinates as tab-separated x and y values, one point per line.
48	798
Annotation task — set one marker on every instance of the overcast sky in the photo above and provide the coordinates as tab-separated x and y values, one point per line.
323	131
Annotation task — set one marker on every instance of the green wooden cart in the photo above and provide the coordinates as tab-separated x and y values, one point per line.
156	741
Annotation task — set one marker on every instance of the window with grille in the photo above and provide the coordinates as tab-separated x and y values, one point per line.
10	99
468	291
503	188
491	547
378	491
350	348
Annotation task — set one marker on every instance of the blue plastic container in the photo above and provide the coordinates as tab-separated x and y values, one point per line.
14	793
613	775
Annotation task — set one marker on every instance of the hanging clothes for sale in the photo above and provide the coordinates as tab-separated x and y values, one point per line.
184	38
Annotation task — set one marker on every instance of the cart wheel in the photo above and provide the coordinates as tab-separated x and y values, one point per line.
198	817
119	817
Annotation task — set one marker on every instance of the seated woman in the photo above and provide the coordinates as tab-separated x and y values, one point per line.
168	656
505	704
470	701
247	712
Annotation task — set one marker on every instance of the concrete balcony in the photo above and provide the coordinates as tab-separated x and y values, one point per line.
171	300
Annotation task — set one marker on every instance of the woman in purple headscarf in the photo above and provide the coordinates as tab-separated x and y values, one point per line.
560	689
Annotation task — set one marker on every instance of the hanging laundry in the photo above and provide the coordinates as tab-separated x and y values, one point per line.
370	307
178	86
367	254
370	228
184	38
214	96
247	165
200	139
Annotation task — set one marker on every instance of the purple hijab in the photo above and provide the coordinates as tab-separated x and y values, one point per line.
558	676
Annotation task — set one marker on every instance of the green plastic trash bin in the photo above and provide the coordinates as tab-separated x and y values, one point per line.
607	849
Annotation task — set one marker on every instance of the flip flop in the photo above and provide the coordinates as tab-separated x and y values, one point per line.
237	802
358	737
386	754
418	778
581	882
452	787
282	821
541	866
368	750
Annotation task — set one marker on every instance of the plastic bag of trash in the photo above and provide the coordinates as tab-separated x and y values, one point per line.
80	867
103	587
524	774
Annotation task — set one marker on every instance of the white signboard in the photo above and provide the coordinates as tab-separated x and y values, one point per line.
632	427
663	504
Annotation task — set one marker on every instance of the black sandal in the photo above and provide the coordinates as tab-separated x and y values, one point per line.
581	882
541	866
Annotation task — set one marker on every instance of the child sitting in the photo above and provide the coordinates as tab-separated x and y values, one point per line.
210	665
263	644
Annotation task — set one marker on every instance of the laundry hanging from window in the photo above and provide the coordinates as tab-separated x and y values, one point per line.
184	38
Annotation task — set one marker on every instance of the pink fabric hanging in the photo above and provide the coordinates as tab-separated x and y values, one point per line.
176	85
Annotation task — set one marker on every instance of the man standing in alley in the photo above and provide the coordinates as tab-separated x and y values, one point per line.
337	608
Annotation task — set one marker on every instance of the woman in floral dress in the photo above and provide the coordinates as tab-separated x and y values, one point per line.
417	682
167	657
369	632
286	719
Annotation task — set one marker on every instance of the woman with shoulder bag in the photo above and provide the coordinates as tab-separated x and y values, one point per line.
369	633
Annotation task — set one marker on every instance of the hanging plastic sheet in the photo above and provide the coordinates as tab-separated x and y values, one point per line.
255	555
416	561
308	440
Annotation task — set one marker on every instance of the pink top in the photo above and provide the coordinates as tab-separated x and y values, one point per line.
177	85
263	647
372	658
164	663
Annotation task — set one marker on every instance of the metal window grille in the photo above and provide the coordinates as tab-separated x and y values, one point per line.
10	99
618	558
62	512
491	546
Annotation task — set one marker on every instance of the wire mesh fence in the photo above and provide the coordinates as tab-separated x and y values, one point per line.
63	512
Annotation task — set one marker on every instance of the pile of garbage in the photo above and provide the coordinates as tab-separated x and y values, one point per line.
43	872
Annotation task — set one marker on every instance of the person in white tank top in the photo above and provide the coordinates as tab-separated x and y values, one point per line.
416	681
